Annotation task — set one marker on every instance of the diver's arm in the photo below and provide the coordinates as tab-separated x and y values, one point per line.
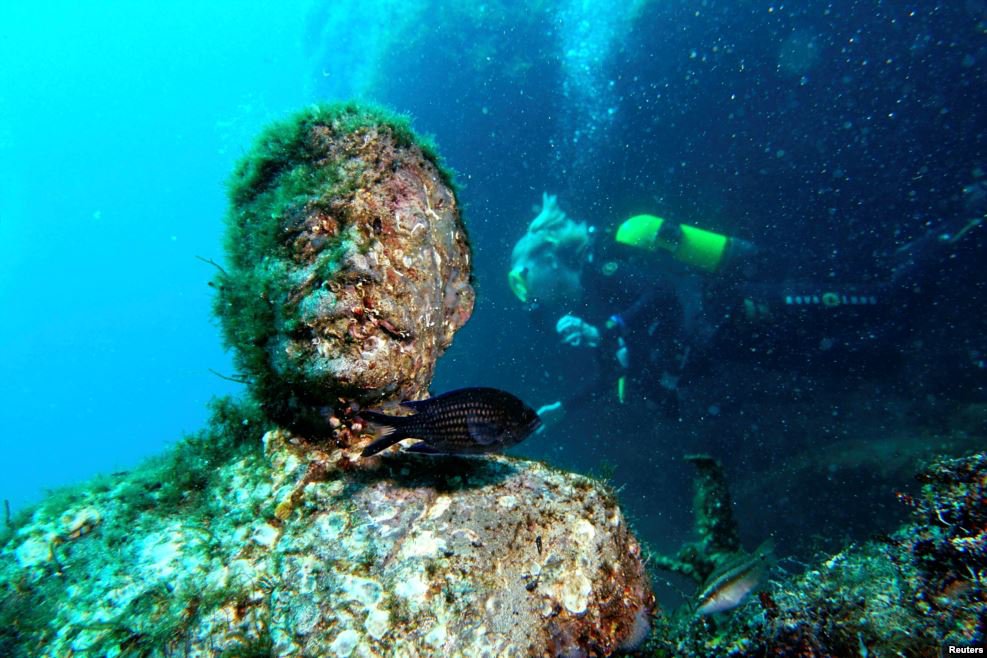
550	415
619	322
603	374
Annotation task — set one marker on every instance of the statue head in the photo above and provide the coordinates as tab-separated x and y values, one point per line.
349	265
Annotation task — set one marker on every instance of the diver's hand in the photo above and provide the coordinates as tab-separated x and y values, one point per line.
550	415
623	354
575	332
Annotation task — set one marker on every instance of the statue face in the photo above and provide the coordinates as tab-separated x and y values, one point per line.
376	283
349	266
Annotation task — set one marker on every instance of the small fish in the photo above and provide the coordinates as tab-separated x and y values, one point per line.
728	587
465	421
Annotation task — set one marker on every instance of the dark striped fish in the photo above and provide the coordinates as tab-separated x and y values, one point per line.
466	421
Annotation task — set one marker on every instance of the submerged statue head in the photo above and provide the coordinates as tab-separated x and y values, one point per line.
349	266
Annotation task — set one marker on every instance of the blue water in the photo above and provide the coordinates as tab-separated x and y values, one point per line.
827	132
118	126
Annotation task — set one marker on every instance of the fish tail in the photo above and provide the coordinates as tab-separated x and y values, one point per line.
390	430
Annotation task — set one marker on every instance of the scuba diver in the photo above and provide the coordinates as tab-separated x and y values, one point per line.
655	300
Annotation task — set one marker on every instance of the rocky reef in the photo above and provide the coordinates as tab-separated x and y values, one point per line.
266	533
909	594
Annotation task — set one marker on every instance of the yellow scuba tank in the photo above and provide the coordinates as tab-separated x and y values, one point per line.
687	244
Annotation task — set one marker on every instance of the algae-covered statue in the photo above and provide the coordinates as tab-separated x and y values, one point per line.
349	267
267	532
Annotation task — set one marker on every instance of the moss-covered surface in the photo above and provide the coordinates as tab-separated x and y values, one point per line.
144	563
288	168
297	212
43	563
285	148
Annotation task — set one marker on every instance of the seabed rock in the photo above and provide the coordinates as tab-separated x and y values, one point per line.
266	533
914	593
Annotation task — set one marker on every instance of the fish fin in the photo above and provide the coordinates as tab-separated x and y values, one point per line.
389	429
383	443
423	448
484	432
385	424
416	405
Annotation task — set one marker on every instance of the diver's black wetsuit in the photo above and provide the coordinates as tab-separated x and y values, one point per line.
672	322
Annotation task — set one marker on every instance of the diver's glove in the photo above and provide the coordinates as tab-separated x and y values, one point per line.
576	332
550	414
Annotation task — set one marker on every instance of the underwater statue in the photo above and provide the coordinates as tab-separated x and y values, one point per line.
268	532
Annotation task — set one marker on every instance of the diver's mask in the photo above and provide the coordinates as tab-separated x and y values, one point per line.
517	279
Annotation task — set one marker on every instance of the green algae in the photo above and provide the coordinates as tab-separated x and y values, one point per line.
289	172
215	573
284	171
285	146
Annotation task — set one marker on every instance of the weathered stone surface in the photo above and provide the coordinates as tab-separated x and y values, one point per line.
320	555
498	556
349	266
